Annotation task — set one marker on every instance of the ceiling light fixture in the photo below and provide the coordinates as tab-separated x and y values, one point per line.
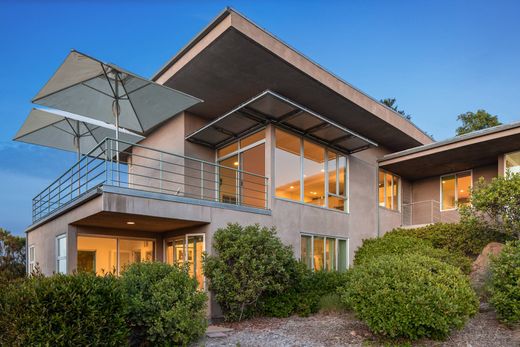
130	223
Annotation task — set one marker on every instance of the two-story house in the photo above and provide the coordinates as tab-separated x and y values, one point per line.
278	141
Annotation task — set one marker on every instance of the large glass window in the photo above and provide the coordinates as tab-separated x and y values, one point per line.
389	190
308	172
512	162
61	254
247	187
287	165
101	255
455	190
324	253
187	249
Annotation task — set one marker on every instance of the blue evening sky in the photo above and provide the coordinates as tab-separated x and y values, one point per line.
438	58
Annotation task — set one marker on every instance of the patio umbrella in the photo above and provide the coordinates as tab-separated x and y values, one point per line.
67	131
87	86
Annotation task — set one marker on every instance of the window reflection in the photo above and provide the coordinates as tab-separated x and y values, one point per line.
313	174
287	165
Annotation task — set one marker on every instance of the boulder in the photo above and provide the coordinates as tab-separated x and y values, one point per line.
480	268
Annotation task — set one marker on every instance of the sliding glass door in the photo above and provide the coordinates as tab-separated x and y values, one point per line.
187	249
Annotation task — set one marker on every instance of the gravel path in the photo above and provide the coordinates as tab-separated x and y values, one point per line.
345	330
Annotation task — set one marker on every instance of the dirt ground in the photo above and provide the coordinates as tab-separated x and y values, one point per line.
344	329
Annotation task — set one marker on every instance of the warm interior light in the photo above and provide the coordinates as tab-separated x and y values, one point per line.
442	182
292	187
235	163
322	170
462	190
130	223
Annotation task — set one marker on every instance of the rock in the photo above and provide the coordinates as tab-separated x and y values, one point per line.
480	267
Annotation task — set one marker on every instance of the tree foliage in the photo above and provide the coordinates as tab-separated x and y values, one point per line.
391	102
476	121
12	256
496	205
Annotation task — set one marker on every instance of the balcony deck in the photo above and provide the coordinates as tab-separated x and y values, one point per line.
146	172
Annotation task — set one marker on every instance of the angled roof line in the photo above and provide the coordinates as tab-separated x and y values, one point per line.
451	140
227	11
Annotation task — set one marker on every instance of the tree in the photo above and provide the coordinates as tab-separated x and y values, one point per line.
496	204
391	102
12	256
476	121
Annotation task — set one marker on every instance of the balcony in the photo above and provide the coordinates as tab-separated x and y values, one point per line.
116	163
426	212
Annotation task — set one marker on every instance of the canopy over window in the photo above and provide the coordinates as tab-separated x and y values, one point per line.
270	107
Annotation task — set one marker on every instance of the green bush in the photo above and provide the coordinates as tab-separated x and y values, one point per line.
73	310
330	303
250	262
410	296
468	238
305	293
505	283
165	307
399	243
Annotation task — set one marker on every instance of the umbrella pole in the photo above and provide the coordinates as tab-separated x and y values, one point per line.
116	114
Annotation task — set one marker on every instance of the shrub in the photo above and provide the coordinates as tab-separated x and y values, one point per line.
164	304
409	296
250	262
63	310
468	238
505	283
305	293
331	303
397	243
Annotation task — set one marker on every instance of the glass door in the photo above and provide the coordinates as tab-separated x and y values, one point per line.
228	180
188	248
252	187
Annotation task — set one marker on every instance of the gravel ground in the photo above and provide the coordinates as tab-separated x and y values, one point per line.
345	330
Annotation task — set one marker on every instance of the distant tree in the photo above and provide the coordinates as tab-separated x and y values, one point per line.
476	121
12	256
391	102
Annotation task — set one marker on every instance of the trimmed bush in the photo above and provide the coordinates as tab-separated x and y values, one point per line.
505	283
468	238
410	296
165	307
250	262
73	310
397	243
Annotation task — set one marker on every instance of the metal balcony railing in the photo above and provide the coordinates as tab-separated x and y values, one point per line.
122	164
425	212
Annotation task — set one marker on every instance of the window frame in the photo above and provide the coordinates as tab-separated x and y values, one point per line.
117	238
185	237
336	250
345	197
31	264
505	159
63	257
455	174
400	185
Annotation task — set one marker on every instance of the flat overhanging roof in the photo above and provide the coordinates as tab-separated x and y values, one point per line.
459	153
270	107
233	60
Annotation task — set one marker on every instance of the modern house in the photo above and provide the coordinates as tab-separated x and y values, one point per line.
278	141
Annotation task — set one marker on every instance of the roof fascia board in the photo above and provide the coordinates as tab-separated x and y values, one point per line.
451	145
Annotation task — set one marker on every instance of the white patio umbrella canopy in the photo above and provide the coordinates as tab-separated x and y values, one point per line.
86	86
68	131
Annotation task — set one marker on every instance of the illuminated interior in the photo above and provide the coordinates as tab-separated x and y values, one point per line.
324	253
101	255
290	153
388	190
456	190
187	249
512	162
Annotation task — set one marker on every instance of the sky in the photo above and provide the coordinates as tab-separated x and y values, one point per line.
438	58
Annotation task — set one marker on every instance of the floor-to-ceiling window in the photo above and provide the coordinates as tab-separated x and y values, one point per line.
324	253
248	186
455	190
512	162
389	190
187	249
308	172
100	254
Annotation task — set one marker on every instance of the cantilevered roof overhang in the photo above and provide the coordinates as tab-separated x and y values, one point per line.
459	153
233	60
270	107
